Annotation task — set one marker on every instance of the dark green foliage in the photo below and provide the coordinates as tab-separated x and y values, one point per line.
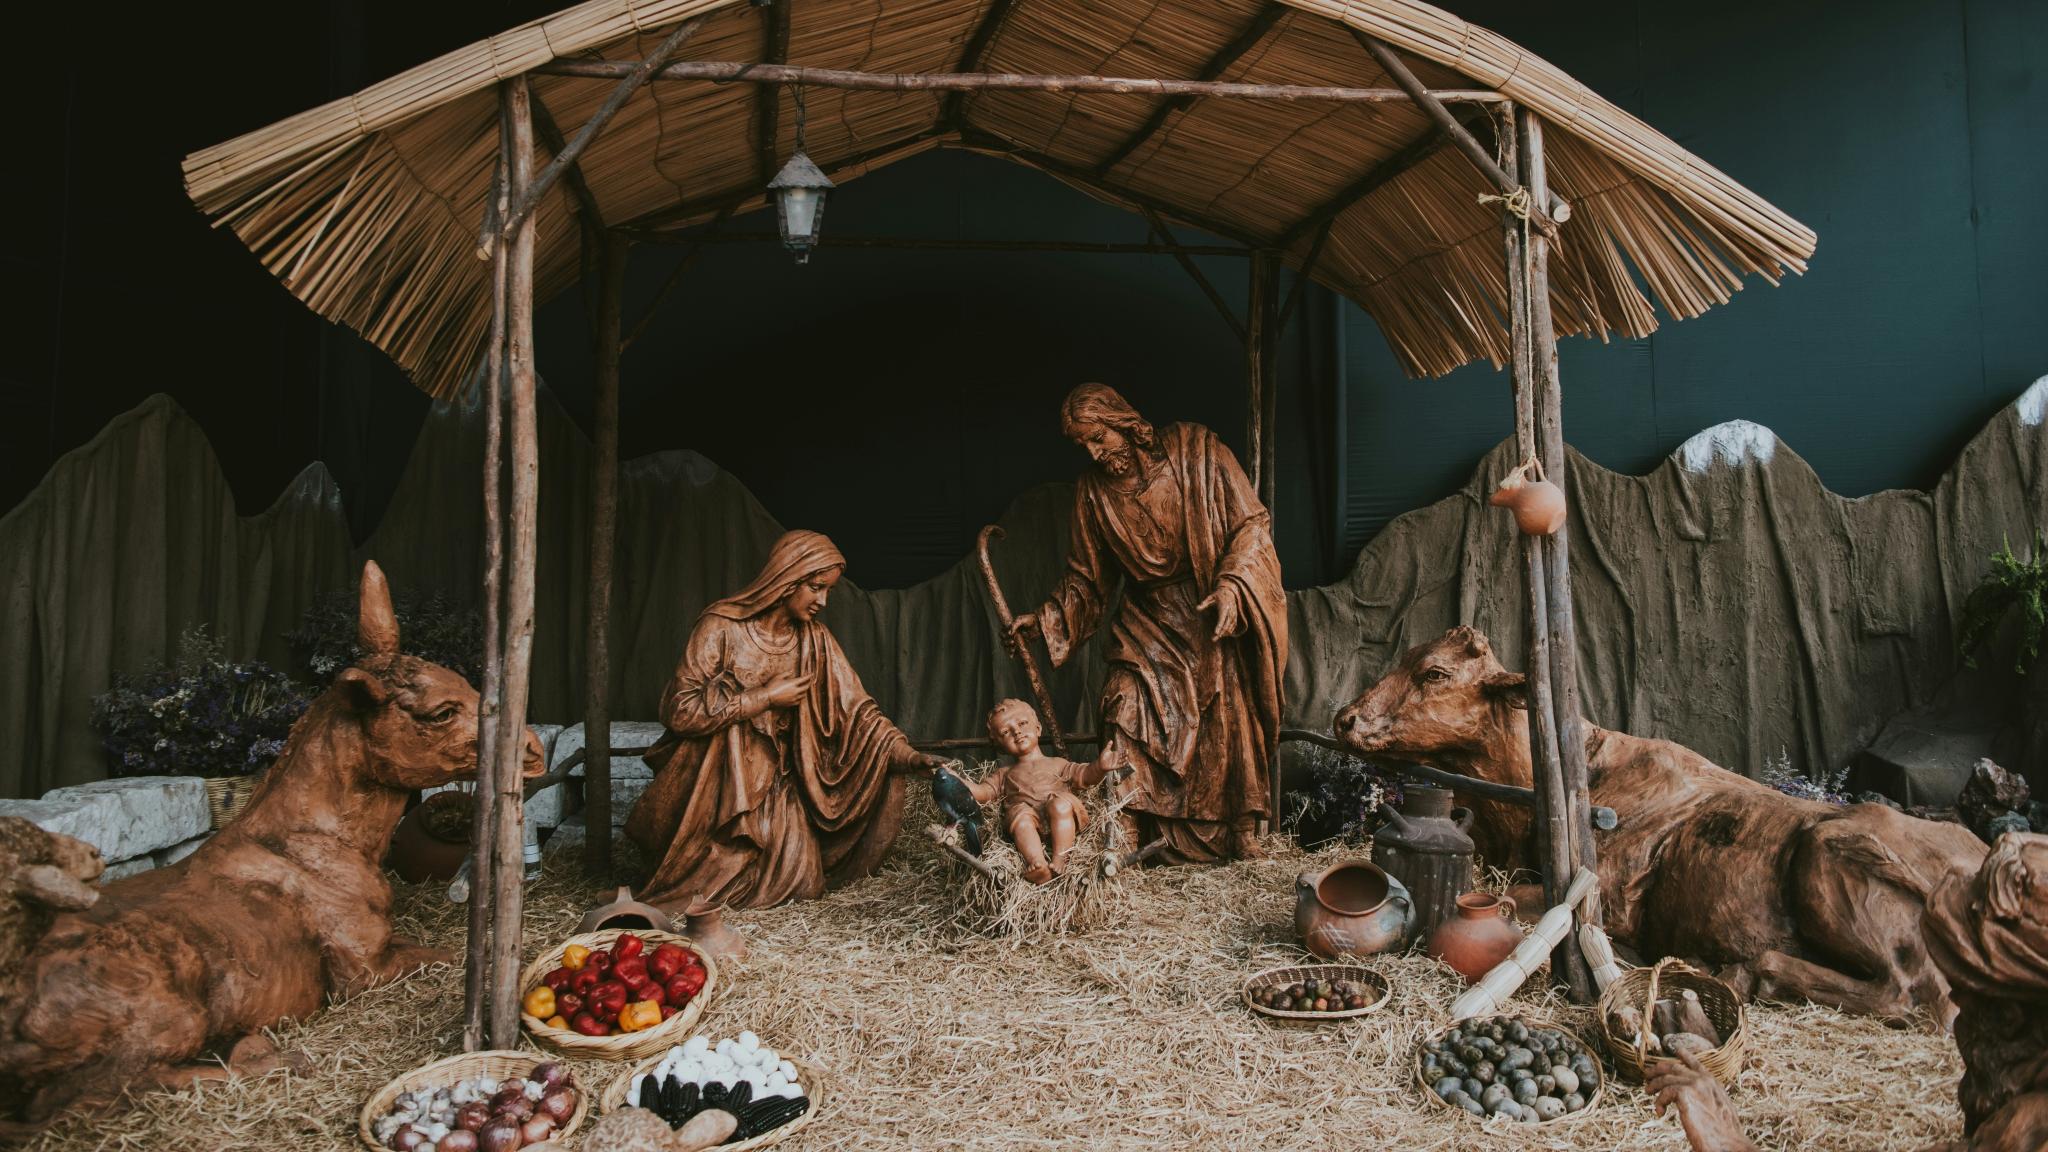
200	715
431	626
2012	582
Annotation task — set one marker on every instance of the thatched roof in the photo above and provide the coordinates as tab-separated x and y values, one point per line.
369	207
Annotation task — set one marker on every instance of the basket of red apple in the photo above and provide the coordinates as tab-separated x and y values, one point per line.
619	994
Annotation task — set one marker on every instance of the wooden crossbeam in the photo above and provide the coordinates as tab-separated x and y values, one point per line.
767	101
937	244
1194	272
1218	64
641	228
972	55
551	135
1378	177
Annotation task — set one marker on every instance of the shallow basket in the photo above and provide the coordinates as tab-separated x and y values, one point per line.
1592	1102
1639	988
625	1045
813	1086
1297	973
226	796
496	1065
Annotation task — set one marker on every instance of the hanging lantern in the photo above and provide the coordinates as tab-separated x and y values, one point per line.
800	190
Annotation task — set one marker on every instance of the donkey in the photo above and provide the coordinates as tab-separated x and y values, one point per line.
283	908
1794	897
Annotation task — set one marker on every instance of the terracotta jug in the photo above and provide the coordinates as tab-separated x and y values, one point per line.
625	912
1478	937
705	925
1538	504
1350	909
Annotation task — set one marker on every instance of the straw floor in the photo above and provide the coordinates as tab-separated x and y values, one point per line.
1127	1036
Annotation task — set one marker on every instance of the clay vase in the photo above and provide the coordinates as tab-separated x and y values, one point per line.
422	848
704	923
1538	504
1350	909
1478	937
625	912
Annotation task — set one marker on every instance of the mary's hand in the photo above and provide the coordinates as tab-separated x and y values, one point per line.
1229	615
786	691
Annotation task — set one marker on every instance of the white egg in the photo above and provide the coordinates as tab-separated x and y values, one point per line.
749	1041
697	1046
768	1057
788	1071
790	1092
726	1048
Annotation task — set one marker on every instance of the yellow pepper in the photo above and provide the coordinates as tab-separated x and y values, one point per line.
539	1003
557	1022
640	1016
573	957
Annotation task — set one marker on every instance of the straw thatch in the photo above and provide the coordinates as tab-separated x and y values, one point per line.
1128	1036
369	207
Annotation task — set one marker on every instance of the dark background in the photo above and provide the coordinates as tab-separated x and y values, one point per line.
923	385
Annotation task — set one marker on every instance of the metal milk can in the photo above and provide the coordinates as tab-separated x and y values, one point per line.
1426	847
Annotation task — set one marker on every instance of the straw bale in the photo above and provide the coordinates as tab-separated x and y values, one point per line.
1128	1036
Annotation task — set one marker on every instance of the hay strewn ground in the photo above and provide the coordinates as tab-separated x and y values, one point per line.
1129	1036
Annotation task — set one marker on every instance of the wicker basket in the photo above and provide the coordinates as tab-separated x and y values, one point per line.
496	1065
226	796
1592	1102
1639	988
812	1082
628	1045
1296	973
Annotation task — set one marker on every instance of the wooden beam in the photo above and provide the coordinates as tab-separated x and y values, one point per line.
1301	281
730	72
642	229
1259	350
572	175
1188	265
1229	54
972	55
930	244
767	101
637	73
1546	213
604	519
1379	176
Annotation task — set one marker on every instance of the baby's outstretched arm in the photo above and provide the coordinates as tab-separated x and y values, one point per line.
1090	775
988	787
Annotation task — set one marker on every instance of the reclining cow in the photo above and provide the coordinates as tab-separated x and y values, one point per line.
282	908
1795	898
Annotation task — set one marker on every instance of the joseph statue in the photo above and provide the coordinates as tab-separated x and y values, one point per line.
1198	647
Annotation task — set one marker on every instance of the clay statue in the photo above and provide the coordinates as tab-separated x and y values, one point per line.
280	910
1989	937
1038	792
1197	651
1798	899
777	774
41	874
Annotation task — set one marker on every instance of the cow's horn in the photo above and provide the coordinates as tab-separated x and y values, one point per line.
52	887
376	622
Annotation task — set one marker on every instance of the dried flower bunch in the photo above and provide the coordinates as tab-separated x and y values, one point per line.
199	715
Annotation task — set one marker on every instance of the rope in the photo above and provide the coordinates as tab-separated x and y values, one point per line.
1517	203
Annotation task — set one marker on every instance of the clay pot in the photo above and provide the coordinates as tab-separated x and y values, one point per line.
1478	937
1538	504
704	923
433	840
625	912
1350	909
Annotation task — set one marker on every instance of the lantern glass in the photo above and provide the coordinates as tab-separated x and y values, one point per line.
800	190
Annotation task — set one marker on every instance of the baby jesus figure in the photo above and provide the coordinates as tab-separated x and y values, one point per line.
1037	791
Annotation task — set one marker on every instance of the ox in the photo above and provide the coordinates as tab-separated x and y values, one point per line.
284	907
1791	898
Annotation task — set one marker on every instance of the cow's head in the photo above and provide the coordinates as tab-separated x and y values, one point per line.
419	720
1448	702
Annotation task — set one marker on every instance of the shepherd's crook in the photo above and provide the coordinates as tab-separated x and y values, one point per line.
1023	650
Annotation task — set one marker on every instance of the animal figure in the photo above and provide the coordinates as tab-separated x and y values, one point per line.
41	874
1795	898
282	908
955	801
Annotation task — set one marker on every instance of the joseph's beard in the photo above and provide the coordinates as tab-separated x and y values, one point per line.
1119	463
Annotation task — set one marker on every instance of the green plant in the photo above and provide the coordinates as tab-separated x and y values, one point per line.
2011	582
431	626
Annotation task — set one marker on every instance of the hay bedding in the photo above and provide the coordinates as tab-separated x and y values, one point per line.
1127	1036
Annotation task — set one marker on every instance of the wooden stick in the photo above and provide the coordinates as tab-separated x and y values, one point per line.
1544	213
551	135
1422	773
726	204
604	518
929	244
971	56
1381	174
733	71
768	101
1113	864
1262	364
1307	274
476	975
937	835
508	853
635	75
1169	244
1229	54
1557	547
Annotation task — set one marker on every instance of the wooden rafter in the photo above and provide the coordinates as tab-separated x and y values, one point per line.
767	101
551	136
1379	176
973	54
1218	64
645	227
1194	272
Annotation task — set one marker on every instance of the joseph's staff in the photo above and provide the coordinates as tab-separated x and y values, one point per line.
1022	646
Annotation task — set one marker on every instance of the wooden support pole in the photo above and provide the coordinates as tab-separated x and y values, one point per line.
1546	212
604	519
508	850
767	100
1259	316
1266	370
739	72
1557	546
476	976
636	74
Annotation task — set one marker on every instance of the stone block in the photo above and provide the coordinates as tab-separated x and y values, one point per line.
124	818
567	835
126	868
544	808
625	734
176	852
1923	758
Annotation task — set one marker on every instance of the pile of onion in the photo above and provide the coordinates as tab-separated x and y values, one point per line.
481	1114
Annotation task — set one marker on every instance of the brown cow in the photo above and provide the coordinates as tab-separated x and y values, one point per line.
282	908
1796	898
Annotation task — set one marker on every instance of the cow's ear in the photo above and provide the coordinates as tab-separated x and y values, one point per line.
363	691
1511	687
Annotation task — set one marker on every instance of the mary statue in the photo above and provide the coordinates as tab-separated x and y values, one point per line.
775	778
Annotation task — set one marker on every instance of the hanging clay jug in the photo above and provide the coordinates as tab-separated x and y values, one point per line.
1478	937
1538	504
705	925
625	912
1350	909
